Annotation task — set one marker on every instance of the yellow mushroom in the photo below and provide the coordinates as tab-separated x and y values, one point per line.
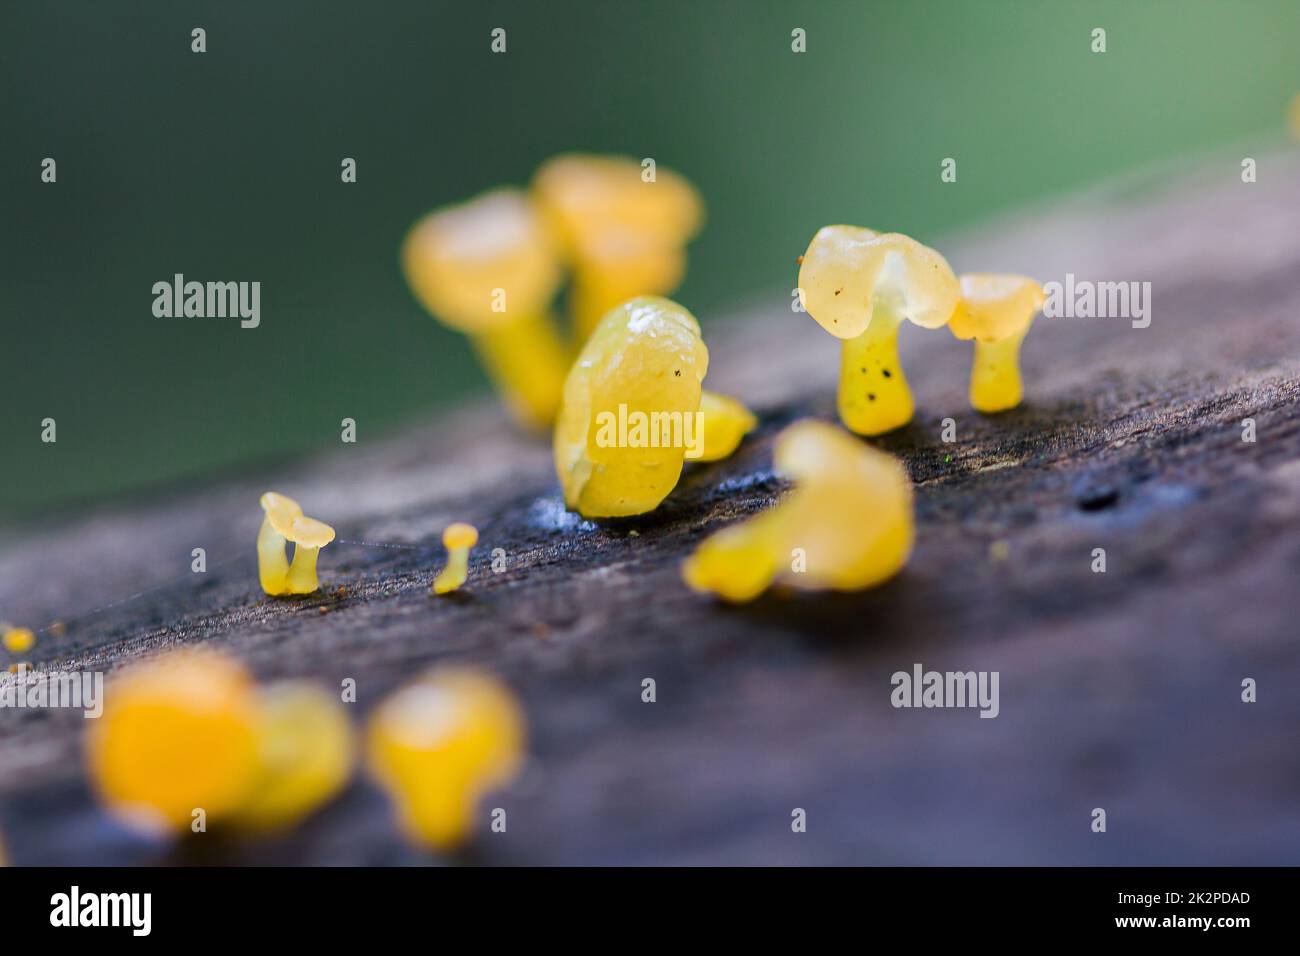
439	744
285	522
631	410
178	734
860	285
726	422
458	538
305	752
489	268
624	233
17	640
996	311
846	526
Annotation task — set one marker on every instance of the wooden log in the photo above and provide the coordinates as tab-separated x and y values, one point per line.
1120	690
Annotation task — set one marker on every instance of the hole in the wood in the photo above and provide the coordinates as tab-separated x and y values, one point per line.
1097	497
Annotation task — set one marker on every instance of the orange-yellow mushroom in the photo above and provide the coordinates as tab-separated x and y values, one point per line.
17	640
458	539
631	410
178	735
846	526
439	744
996	311
860	285
305	753
489	268
623	230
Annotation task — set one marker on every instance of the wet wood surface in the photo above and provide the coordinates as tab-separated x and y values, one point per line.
1119	690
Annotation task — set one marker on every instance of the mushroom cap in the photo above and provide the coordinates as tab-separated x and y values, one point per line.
647	356
309	532
459	535
847	270
457	257
18	640
995	306
280	511
586	195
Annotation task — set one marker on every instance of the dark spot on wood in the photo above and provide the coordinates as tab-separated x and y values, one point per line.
1096	497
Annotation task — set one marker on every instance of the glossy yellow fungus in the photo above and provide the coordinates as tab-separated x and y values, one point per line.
178	734
439	744
285	522
846	526
18	640
305	753
726	422
457	539
624	232
996	311
860	285
631	410
489	268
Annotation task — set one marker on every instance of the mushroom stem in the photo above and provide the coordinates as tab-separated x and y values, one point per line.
528	363
302	573
995	384
455	573
272	565
873	394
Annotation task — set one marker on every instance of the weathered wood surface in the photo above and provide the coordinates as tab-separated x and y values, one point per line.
1118	690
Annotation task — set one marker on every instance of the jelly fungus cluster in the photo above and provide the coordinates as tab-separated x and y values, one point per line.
847	525
285	522
437	745
860	285
490	267
191	731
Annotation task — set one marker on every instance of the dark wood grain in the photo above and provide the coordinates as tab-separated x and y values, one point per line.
1118	690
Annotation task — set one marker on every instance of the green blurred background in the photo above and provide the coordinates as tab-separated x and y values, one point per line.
225	166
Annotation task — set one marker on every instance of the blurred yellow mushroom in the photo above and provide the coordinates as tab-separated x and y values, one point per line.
305	754
17	640
860	285
458	538
726	423
996	311
489	268
624	231
1293	117
631	410
439	744
846	526
284	522
178	735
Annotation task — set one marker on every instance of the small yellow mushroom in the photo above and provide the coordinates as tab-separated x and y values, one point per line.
457	539
489	268
846	526
285	522
996	311
178	734
624	232
726	422
305	750
860	285
439	744
18	640
631	411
